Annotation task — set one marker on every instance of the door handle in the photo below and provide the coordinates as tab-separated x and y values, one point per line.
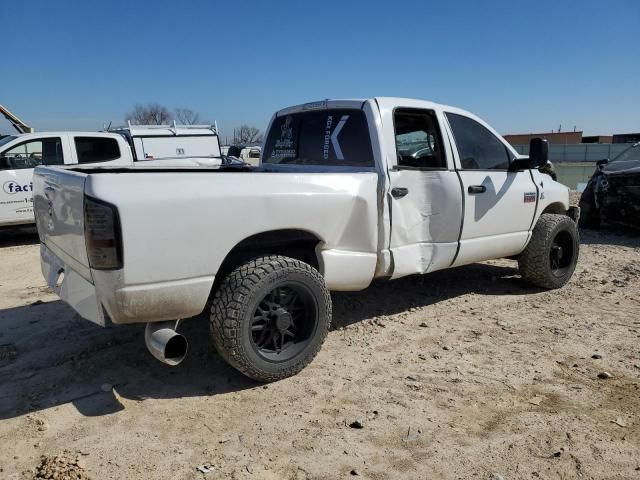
399	192
477	189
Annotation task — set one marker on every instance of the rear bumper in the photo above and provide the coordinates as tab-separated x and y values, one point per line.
106	296
72	288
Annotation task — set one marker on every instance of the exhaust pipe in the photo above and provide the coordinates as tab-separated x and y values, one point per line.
165	343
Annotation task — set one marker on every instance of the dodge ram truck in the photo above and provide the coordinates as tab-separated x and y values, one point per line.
347	191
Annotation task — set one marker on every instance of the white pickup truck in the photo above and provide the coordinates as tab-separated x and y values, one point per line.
347	191
150	144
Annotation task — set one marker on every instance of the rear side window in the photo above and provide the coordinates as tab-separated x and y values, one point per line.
96	149
321	137
479	149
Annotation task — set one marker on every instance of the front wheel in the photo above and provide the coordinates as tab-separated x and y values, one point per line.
552	253
270	317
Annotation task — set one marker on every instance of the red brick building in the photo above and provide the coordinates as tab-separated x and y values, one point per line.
555	138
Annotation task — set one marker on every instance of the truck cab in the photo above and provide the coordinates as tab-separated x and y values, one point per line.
456	196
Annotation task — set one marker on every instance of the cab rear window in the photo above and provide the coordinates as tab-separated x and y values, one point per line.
335	137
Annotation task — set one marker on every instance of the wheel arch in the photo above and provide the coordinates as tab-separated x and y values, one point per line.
294	243
555	207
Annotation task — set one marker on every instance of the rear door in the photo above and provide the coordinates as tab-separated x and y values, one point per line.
98	150
499	205
16	176
424	191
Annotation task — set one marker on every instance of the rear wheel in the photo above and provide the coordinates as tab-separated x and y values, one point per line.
270	317
552	253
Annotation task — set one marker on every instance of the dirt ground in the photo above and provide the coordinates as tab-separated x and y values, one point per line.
468	373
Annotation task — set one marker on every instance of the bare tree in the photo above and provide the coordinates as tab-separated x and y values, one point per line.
186	116
246	134
150	114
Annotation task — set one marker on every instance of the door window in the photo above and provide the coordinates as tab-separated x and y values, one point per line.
96	149
479	149
418	140
44	151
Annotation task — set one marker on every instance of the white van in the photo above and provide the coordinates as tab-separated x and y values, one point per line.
250	155
148	145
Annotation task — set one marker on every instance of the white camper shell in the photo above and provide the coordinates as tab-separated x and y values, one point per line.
157	142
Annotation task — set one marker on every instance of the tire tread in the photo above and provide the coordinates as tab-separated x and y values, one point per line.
229	304
533	261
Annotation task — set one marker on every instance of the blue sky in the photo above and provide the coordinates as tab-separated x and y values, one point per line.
522	66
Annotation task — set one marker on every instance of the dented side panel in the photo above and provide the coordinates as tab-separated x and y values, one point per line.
425	223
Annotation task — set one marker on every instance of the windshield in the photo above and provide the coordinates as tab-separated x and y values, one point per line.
329	137
630	154
7	139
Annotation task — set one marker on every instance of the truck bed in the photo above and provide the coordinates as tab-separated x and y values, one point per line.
178	228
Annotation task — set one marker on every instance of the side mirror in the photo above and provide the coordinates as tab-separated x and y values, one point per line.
602	162
538	152
538	156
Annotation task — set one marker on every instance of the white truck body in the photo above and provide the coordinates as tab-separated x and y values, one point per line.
366	219
155	146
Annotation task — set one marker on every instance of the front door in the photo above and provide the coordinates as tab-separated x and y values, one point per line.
499	205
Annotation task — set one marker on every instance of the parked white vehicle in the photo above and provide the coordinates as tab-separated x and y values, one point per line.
19	154
171	141
250	155
347	191
163	145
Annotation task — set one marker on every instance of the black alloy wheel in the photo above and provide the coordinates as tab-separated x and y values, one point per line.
283	322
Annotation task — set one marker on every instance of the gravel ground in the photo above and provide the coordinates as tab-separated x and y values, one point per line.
468	373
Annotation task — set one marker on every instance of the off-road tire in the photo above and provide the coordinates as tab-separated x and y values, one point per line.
534	263
234	304
589	213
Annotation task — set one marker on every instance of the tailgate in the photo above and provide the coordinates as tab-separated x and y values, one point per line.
58	197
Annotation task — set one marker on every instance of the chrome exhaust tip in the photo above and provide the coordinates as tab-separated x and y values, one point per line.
165	343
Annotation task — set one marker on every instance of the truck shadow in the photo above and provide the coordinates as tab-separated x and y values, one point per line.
15	236
391	297
49	356
619	236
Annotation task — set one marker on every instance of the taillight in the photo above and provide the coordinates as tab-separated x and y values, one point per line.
102	234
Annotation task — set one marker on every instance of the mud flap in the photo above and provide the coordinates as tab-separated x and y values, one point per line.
574	213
